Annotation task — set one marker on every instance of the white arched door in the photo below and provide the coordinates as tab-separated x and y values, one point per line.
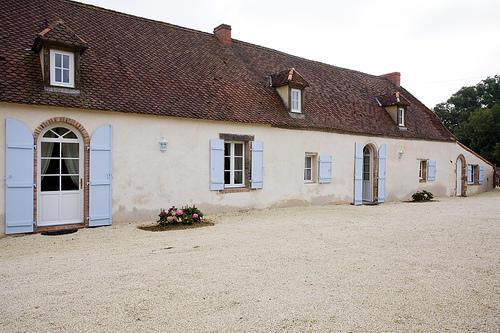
60	176
459	177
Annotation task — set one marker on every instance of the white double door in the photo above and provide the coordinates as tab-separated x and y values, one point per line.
60	177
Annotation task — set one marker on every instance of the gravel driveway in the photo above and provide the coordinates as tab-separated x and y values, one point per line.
394	267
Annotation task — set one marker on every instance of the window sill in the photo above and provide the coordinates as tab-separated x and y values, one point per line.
235	190
63	90
310	182
402	128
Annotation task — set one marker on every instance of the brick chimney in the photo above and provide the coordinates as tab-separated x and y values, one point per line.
223	33
394	77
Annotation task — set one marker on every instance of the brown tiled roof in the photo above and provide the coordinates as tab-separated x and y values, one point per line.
138	65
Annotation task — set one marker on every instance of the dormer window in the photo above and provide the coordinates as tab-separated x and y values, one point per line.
62	68
396	106
401	117
290	86
296	101
60	49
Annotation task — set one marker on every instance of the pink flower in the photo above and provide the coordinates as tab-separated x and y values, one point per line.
425	195
180	212
195	216
419	191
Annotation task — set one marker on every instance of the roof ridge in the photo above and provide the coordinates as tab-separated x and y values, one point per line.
112	11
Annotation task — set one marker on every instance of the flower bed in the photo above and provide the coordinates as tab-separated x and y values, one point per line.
185	215
422	195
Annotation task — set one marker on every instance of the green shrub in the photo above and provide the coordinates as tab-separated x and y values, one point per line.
185	215
422	195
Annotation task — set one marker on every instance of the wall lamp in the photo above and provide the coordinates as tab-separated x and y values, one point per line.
400	153
163	144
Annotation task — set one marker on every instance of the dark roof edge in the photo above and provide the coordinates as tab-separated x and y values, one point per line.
305	128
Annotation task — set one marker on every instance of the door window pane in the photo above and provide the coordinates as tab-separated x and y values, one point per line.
60	130
70	149
50	149
50	166
69	183
69	166
50	183
227	177
70	135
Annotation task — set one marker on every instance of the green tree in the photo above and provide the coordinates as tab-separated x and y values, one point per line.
472	114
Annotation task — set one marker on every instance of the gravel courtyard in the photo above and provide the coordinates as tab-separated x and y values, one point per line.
394	267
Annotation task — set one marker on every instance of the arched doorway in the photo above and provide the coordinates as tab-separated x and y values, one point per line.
368	157
460	176
60	176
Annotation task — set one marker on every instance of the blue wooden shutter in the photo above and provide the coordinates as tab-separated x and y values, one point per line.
325	169
100	190
431	170
381	172
216	164
18	178
469	174
481	175
358	174
257	164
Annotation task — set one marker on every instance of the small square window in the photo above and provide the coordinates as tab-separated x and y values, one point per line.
62	68
295	100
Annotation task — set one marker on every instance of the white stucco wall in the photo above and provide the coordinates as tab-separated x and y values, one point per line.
146	179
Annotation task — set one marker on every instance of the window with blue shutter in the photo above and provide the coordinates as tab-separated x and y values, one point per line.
216	165
101	177
18	177
257	180
470	179
381	172
325	169
431	170
481	175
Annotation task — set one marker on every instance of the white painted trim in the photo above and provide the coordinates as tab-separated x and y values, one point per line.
232	165
71	68
299	102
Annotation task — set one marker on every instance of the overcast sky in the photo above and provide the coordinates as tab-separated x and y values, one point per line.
438	46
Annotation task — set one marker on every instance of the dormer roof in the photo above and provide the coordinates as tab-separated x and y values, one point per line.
59	34
392	99
288	76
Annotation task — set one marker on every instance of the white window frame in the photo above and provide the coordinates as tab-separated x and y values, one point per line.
313	168
473	173
401	119
71	68
295	102
232	165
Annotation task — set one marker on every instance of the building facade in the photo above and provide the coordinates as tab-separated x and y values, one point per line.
111	122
